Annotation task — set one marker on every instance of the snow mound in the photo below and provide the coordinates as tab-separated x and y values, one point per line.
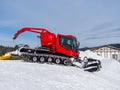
89	54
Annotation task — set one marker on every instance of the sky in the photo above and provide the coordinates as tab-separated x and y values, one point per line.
93	22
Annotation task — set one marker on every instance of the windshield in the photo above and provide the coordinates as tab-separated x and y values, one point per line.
69	43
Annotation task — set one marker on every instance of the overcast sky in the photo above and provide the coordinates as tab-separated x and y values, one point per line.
93	22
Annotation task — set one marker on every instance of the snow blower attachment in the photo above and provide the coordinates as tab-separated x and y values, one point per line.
59	49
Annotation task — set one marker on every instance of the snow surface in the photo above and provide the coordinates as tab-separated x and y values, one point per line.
89	54
19	75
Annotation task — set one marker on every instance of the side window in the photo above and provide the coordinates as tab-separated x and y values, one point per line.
61	41
65	42
69	42
115	56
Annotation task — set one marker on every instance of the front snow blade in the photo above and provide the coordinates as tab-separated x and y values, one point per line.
93	69
92	65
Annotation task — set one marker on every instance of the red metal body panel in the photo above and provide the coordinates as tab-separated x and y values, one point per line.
50	40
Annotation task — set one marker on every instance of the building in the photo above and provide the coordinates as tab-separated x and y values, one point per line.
107	51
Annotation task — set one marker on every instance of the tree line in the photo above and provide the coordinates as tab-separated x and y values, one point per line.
4	49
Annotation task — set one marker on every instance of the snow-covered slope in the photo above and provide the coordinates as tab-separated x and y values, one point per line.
19	75
89	54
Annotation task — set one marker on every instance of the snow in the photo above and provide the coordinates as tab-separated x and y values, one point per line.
89	54
19	75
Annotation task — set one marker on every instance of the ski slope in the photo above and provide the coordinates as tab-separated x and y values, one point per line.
19	75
